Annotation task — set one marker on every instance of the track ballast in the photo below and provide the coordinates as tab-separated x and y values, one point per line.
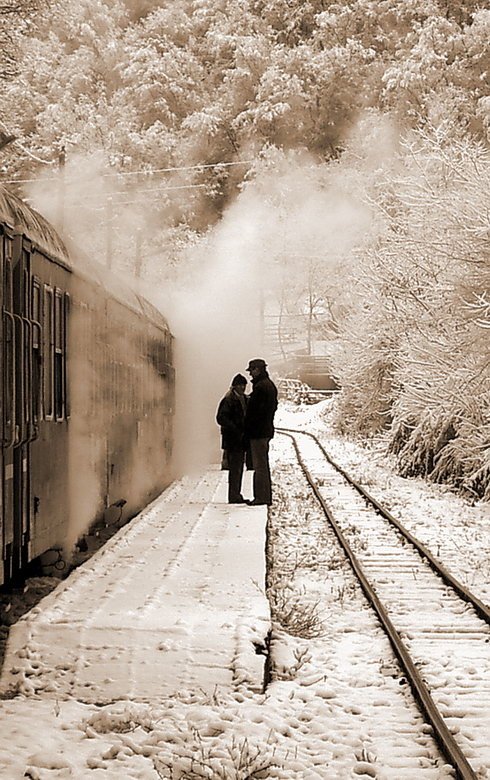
438	629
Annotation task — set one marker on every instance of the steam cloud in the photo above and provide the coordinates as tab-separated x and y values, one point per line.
294	215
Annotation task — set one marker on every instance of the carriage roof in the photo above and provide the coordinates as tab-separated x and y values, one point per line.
23	219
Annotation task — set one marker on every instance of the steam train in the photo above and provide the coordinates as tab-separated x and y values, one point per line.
87	393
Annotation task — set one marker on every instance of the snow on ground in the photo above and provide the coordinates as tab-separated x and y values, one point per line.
336	706
334	657
453	529
173	582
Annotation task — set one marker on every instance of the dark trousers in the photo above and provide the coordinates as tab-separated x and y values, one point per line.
262	473
235	472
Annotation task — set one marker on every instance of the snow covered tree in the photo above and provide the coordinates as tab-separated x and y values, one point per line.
416	359
194	81
17	18
183	105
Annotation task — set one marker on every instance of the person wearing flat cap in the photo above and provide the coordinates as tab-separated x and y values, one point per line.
259	429
231	418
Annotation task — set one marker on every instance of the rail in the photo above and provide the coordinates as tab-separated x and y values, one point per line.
298	392
442	734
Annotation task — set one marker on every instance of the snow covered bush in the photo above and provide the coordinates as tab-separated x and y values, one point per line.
416	357
294	613
196	742
237	761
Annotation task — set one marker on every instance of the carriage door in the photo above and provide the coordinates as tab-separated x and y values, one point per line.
24	429
8	407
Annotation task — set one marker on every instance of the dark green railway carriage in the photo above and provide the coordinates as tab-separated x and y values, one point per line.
87	393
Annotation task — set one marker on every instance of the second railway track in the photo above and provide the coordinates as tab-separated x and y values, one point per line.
439	631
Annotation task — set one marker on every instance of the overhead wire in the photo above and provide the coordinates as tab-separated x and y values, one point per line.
110	199
117	203
142	172
111	195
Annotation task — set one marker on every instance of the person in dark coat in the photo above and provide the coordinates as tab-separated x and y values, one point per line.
259	428
231	418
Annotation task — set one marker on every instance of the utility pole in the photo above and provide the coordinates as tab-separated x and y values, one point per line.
139	258
109	218
61	186
262	317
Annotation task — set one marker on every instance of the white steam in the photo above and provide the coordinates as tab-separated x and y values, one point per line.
291	219
283	236
217	322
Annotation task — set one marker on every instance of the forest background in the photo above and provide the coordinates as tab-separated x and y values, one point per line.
360	128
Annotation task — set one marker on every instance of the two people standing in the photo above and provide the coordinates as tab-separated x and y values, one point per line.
248	422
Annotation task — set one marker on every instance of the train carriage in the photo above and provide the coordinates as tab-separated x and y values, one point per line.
87	392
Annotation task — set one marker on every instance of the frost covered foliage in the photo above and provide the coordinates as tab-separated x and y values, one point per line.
199	744
154	85
17	17
416	358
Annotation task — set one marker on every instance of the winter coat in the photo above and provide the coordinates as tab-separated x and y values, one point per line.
230	417
261	407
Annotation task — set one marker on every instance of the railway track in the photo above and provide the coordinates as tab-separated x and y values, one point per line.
439	630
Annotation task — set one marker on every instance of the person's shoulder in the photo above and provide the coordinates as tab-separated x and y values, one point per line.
227	396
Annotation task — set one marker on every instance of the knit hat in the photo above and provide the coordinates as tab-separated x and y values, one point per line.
239	379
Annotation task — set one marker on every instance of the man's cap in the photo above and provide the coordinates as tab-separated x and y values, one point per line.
239	379
256	363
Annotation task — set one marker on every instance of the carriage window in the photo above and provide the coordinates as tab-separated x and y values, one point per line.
59	355
48	352
36	348
7	283
27	291
8	352
36	311
27	351
65	354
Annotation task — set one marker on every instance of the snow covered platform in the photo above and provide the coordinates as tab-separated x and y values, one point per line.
175	601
